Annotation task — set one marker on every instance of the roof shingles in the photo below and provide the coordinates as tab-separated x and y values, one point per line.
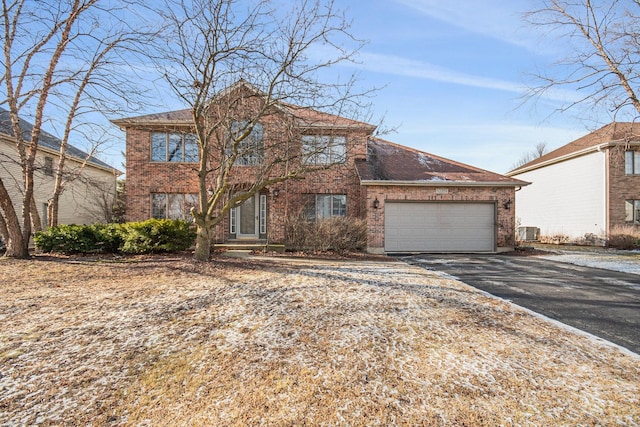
611	133
46	139
388	162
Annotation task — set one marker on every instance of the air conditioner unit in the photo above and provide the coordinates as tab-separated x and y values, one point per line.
528	234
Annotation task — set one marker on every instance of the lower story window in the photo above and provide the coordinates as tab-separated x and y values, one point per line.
173	205
320	206
632	211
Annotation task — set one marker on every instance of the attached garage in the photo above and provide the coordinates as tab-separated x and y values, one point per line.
439	227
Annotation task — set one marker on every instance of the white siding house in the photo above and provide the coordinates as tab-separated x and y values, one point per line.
588	187
566	198
85	200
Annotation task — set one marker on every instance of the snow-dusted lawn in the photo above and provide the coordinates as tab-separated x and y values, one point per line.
167	341
626	262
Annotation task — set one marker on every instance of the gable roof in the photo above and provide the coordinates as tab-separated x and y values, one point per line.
615	133
392	164
306	117
46	140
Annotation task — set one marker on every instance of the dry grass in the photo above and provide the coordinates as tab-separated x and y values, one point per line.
167	341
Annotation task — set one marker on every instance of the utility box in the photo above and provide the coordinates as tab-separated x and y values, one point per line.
528	234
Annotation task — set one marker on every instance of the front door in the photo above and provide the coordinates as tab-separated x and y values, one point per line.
247	217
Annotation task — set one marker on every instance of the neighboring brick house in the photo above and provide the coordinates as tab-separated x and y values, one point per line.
586	188
430	203
87	199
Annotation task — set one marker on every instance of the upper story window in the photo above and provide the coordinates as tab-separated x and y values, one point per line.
632	162
174	147
323	150
251	148
47	169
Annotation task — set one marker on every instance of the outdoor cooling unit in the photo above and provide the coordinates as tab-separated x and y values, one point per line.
528	234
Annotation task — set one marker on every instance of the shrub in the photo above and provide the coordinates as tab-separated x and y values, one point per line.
133	238
69	238
157	235
339	234
624	238
556	239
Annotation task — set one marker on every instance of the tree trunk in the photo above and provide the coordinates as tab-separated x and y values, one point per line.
16	246
35	217
203	241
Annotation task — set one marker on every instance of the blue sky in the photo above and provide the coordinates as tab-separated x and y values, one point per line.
453	75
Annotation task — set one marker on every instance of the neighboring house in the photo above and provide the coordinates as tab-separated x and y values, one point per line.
85	200
584	189
412	201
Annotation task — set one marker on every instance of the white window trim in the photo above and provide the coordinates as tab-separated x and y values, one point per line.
632	162
634	206
167	138
323	149
232	220
263	214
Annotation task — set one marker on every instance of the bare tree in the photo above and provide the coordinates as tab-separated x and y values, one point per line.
604	40
60	60
214	48
539	151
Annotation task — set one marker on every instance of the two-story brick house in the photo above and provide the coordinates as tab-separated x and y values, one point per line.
587	187
412	201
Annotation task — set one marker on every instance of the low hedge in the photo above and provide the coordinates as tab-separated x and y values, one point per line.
338	234
151	236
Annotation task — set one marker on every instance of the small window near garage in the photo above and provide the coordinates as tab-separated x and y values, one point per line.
632	162
632	211
321	206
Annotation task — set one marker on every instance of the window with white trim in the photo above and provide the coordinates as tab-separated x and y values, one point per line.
323	150
263	214
632	211
173	205
251	148
321	206
632	162
174	147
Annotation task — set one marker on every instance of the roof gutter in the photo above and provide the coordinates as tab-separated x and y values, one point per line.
445	183
71	157
592	149
123	123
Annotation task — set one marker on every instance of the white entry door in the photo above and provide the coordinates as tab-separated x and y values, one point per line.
248	219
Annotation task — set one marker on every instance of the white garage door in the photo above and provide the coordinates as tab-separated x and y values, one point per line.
439	227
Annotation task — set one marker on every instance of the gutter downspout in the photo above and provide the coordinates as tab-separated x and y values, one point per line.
607	199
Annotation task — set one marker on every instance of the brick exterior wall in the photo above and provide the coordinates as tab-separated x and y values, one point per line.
621	187
281	138
145	177
498	195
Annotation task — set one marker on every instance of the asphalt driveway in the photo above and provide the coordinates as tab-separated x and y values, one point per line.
602	302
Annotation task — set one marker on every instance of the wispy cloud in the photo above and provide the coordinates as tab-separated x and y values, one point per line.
498	19
400	66
396	65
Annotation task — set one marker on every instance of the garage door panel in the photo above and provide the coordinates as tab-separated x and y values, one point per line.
439	227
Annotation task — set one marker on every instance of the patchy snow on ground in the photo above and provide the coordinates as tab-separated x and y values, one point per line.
280	342
624	263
